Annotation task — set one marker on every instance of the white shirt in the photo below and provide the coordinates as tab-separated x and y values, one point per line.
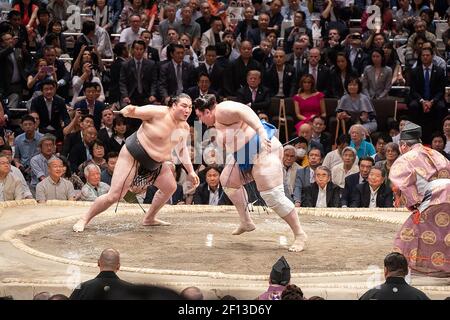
373	197
128	35
322	198
280	83
213	197
311	176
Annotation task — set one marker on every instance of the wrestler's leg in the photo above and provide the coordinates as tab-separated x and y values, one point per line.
121	180
232	184
166	184
268	175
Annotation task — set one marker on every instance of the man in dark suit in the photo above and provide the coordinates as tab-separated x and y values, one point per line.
63	77
51	109
318	71
81	151
90	105
322	193
214	71
107	284
355	53
254	94
236	73
288	79
299	57
292	34
365	164
427	107
395	287
74	138
121	53
375	193
150	53
256	35
211	192
176	75
107	123
304	176
202	88
12	78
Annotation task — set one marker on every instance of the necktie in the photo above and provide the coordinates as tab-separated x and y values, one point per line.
179	79
209	70
253	95
139	79
314	74
427	88
297	66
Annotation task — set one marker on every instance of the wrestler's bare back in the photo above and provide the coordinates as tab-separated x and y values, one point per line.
154	138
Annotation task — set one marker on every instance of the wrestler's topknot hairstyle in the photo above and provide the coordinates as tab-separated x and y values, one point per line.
205	102
176	99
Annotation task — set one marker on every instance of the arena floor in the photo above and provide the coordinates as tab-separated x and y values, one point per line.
342	259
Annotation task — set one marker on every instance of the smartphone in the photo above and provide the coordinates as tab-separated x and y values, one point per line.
48	69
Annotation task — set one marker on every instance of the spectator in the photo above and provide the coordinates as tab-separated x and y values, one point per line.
322	193
377	77
168	22
300	27
202	88
392	153
117	140
395	287
420	31
392	61
121	55
214	70
446	131
306	131
319	72
93	187
7	150
39	163
190	57
28	10
86	75
192	293
63	78
305	176
280	277
131	34
150	52
247	24
255	95
365	164
264	52
55	187
81	151
292	292
72	177
403	121
211	192
97	150
58	9
334	157
427	95
111	159
173	38
91	105
26	144
256	35
14	18
381	141
358	136
374	193
356	55
340	73
438	142
189	26
356	107
107	283
299	57
11	187
319	134
213	35
290	168
347	167
41	72
280	78
72	139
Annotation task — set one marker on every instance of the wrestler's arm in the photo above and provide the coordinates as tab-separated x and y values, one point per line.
230	112
182	151
145	113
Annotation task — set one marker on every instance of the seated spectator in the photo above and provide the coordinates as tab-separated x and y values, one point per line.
119	135
348	166
190	57
301	151
91	105
109	265
365	164
192	293
322	193
39	163
85	75
377	77
280	277
334	157
55	187
11	187
106	130
374	193
381	141
97	151
438	142
72	177
290	168
358	141
392	152
213	35
340	73
107	173
79	123
281	77
202	88
254	94
319	134
26	145
82	151
7	150
306	131
395	287
305	176
211	192
355	107
93	187
292	292
40	73
308	102
150	52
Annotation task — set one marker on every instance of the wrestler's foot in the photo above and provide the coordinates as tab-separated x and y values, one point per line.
79	226
244	228
155	222
299	243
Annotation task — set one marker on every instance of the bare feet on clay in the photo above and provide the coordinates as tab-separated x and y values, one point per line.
244	228
155	222
79	226
299	243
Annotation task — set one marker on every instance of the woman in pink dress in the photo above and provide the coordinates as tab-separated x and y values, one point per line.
308	102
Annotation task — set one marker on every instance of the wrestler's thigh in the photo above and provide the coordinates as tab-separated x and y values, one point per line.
268	169
165	179
231	176
124	171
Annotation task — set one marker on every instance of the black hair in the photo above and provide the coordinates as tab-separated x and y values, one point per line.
13	13
206	102
292	292
41	11
139	42
348	69
119	48
68	173
439	134
203	74
354	79
90	84
210	48
111	154
396	262
49	82
343	138
367	158
381	53
88	27
27	117
212	167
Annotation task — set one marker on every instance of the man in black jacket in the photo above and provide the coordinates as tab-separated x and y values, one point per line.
322	193
211	192
395	287
254	94
280	78
365	164
374	193
107	284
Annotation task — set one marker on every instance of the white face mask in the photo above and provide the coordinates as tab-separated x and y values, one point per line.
300	152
